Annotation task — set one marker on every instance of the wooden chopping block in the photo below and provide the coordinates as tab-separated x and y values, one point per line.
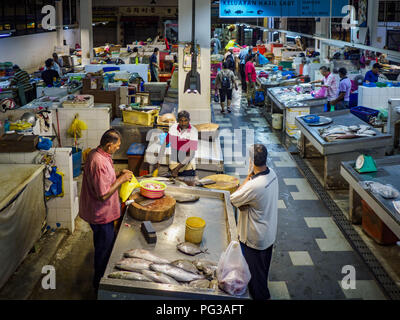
155	211
223	182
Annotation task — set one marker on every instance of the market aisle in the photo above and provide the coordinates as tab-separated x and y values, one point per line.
310	250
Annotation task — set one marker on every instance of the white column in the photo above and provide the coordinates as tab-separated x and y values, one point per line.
322	29
198	105
373	15
283	26
59	24
86	27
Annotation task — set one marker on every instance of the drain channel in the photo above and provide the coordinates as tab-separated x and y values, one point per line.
385	281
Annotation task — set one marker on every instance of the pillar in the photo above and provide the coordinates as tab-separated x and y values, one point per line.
283	26
373	15
198	105
322	28
59	24
86	29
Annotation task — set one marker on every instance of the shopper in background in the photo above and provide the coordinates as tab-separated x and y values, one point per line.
306	69
21	78
154	67
215	44
251	78
243	55
257	200
330	83
372	76
99	201
136	57
224	83
56	65
58	60
230	60
49	75
343	99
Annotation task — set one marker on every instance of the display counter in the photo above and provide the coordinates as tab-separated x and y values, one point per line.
335	152
220	230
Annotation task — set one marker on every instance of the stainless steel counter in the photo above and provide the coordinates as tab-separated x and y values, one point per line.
388	173
341	150
219	231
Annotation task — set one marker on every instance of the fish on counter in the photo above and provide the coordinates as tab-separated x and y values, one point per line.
133	264
128	276
185	265
214	284
200	284
190	248
208	267
159	277
145	255
175	272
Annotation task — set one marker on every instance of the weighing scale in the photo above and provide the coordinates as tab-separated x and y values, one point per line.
365	164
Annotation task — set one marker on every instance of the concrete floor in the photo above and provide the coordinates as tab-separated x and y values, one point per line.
309	250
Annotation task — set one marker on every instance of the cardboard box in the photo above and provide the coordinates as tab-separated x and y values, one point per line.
93	83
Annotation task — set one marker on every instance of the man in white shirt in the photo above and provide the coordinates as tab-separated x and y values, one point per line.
330	83
257	200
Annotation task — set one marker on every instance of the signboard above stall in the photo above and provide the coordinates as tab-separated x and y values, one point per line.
281	8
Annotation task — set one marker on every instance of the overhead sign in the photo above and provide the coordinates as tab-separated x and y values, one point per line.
281	8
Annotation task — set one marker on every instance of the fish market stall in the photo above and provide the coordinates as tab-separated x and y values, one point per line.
293	101
22	212
388	172
339	136
208	156
219	231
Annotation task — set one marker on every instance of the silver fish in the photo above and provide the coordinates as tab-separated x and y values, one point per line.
133	264
159	277
144	254
190	248
203	264
185	265
128	276
174	272
214	284
202	284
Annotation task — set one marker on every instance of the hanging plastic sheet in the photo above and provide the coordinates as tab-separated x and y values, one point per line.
20	226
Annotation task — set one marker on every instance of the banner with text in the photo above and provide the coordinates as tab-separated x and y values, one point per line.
281	8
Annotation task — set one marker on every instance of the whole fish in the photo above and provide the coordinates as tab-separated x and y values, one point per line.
214	284
133	264
205	264
202	284
190	248
144	254
185	265
175	272
128	276
159	277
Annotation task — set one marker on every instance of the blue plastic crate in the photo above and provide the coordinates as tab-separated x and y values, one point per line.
364	113
76	161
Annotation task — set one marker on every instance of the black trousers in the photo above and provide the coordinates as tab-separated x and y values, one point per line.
259	262
103	239
243	76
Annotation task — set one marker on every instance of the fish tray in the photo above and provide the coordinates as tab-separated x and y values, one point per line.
219	232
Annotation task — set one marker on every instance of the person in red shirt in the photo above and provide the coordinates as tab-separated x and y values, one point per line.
99	202
251	79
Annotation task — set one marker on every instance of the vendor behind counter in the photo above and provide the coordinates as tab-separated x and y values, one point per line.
21	78
49	75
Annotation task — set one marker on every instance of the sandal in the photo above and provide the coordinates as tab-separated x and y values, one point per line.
229	109
223	111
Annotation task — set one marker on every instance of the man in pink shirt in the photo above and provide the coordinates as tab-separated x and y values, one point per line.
330	83
99	202
251	79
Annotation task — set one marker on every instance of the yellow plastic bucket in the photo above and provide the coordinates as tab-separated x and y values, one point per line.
194	229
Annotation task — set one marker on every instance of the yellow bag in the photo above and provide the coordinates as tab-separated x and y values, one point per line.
127	188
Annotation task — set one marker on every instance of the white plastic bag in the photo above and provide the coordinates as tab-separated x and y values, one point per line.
233	273
387	191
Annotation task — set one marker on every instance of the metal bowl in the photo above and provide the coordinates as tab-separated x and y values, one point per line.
29	117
